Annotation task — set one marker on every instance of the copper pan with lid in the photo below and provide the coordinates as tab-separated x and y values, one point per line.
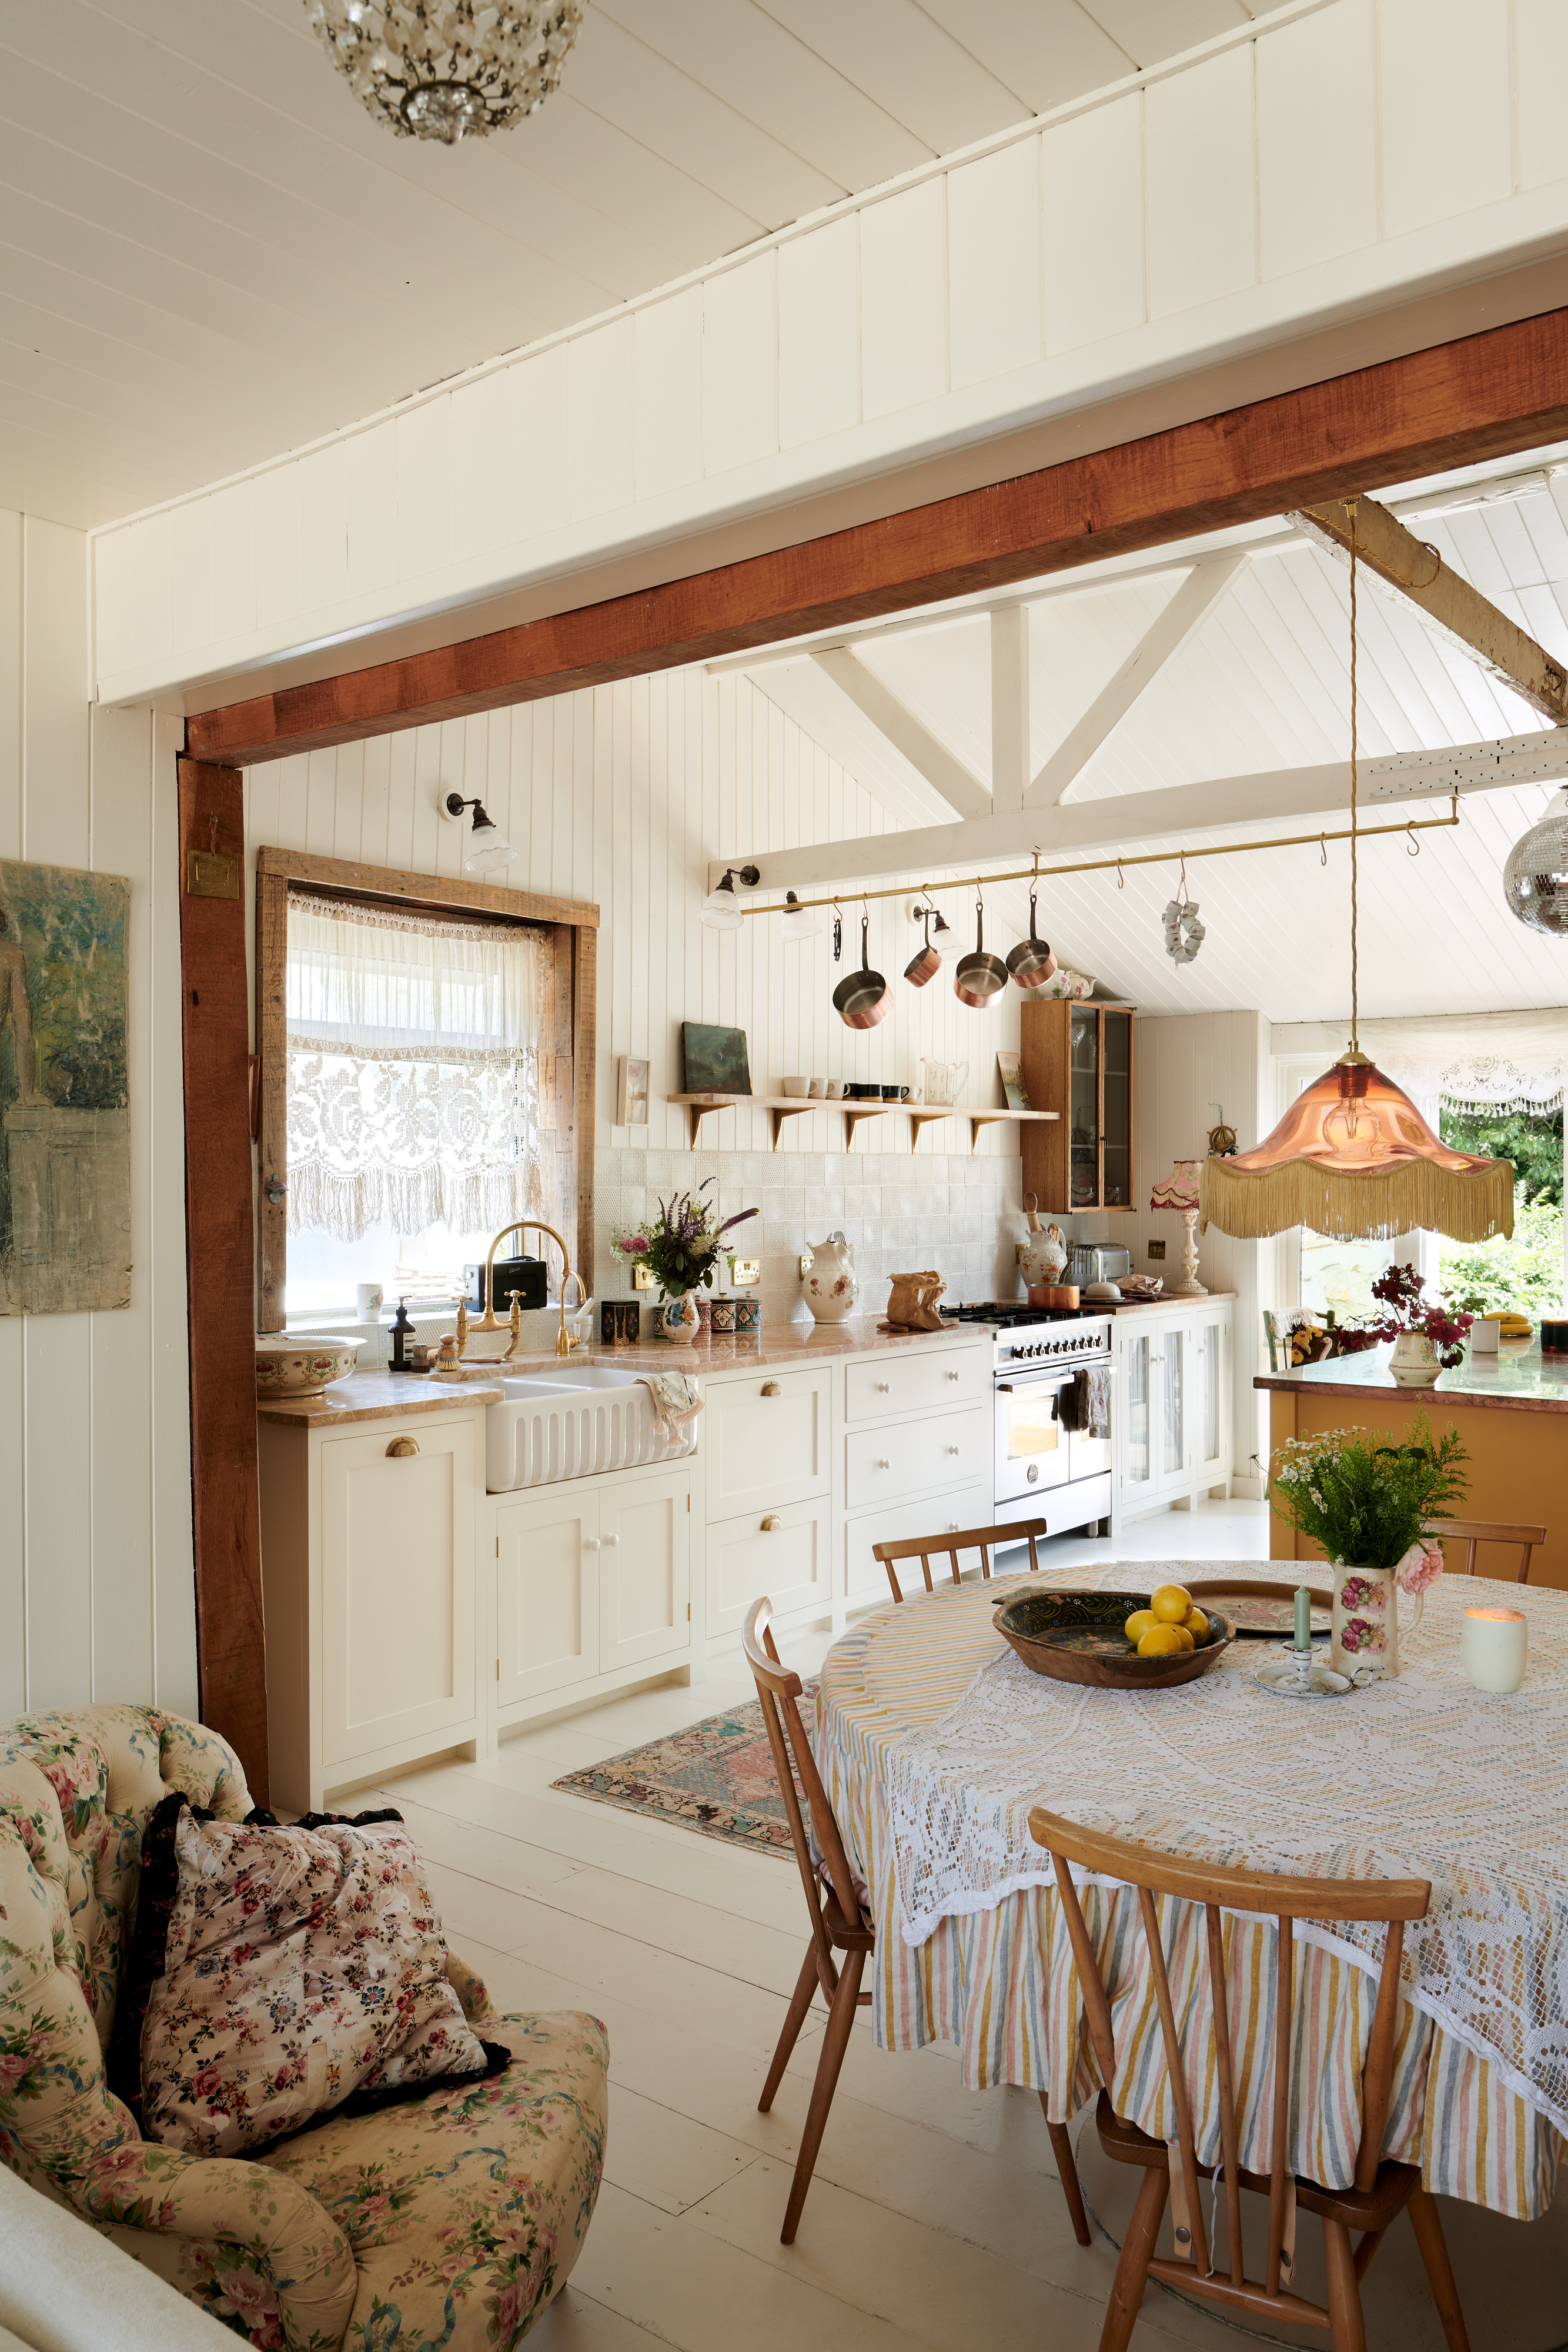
981	977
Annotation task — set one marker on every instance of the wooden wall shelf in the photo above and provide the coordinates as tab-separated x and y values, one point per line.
782	1107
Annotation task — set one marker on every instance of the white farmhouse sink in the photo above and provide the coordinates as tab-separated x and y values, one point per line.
569	1425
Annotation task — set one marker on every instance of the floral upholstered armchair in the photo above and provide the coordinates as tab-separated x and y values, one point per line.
450	2221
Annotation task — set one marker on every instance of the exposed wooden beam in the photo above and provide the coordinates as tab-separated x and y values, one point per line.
1458	612
943	769
231	1656
1132	820
1161	641
1009	706
1482	396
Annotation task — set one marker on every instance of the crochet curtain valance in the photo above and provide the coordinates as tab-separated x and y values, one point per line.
412	1044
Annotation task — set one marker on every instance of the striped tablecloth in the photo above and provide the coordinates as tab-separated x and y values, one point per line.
997	1979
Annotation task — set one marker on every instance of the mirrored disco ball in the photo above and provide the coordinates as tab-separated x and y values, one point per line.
1535	880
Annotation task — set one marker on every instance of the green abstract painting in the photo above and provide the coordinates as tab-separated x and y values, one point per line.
65	1115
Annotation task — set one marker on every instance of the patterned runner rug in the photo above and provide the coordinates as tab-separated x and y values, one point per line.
716	1777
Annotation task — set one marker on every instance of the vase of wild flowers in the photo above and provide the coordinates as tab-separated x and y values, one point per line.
1368	1498
1427	1338
681	1247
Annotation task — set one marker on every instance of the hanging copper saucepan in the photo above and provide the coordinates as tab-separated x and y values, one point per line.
1031	962
980	977
863	998
926	963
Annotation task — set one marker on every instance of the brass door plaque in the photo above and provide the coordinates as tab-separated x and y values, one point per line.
211	874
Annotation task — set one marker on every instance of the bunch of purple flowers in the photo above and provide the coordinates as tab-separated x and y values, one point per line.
682	1245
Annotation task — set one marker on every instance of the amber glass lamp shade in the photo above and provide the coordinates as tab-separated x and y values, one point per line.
1353	1159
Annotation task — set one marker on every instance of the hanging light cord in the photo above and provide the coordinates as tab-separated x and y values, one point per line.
1350	505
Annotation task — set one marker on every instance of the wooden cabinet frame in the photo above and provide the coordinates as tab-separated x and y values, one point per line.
568	1045
1045	1042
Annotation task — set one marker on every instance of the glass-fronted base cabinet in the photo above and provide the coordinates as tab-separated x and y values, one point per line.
1174	1415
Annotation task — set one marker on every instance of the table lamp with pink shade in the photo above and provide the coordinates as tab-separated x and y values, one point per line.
1180	1191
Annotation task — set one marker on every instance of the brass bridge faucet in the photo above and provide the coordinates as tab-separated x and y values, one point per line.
565	1341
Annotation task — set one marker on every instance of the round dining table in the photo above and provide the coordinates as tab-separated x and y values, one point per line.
935	1740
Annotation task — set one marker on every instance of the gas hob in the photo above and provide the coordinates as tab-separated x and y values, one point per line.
1046	1336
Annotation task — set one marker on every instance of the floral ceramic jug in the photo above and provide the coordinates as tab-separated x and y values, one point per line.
831	1286
1043	1257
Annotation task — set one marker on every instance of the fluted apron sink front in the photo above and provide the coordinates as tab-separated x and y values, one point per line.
569	1425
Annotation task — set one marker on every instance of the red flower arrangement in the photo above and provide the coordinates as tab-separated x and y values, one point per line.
1402	1294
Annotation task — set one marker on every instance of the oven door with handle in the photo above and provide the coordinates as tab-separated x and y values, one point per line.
1033	1447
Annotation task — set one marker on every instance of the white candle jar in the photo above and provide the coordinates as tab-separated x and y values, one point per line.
1494	1645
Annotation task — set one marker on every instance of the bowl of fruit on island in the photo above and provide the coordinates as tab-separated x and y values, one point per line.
1115	1640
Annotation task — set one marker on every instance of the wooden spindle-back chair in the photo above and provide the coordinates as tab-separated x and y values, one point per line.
1472	1532
840	1922
1381	2189
985	1541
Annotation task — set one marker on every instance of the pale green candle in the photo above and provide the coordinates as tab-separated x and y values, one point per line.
1303	1618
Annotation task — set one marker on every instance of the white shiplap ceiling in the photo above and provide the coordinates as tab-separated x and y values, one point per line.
1263	685
210	254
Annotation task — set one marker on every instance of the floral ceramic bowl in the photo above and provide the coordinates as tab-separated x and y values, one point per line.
289	1366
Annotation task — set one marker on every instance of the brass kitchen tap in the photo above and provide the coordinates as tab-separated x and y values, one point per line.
565	1341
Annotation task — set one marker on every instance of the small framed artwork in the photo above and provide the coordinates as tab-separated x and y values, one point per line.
1010	1071
631	1093
715	1060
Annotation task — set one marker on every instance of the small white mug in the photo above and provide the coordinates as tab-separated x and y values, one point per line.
1486	1332
367	1301
835	1090
819	1088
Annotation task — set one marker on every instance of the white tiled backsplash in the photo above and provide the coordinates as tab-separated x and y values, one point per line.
901	1211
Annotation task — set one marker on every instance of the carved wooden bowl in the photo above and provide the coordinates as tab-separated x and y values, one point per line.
1077	1637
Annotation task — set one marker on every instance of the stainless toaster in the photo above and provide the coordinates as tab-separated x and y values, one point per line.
1097	1262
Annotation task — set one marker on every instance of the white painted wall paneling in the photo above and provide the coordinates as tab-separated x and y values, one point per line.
96	1592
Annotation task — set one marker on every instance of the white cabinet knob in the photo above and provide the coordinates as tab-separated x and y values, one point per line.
611	1543
885	1388
884	1463
591	1543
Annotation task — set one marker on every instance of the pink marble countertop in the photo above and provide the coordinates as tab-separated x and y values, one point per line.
375	1396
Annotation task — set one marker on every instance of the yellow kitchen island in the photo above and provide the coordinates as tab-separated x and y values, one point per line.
1511	1414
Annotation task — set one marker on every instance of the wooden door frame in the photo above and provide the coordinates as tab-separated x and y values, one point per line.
573	924
1481	396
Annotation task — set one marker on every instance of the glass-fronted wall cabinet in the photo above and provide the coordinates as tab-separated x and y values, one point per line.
1077	1061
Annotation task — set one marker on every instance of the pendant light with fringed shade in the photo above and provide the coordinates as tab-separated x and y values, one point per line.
1353	1158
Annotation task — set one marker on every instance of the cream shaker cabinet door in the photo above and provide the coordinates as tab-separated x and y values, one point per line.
786	1553
766	1440
547	1593
644	1570
397	1587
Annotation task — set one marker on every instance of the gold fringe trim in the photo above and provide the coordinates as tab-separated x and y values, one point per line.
1469	1207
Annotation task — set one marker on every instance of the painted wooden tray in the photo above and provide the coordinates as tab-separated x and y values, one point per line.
1077	1637
1258	1610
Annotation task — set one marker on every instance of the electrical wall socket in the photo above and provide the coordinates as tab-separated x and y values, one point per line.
1157	1250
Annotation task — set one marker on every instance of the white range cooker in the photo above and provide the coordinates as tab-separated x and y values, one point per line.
1052	1450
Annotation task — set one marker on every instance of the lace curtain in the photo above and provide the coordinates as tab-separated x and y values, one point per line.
412	1070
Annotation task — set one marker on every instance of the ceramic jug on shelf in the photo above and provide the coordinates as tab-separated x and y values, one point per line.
1043	1257
831	1285
943	1082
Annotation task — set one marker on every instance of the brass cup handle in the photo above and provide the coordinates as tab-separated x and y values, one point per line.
772	1388
770	1522
401	1448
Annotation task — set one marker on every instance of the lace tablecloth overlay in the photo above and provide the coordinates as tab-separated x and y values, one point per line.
939	1741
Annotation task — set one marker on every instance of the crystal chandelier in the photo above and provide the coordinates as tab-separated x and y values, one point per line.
1535	880
448	69
1352	1157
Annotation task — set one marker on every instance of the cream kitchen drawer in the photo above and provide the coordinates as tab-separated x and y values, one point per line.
915	1379
766	1441
788	1554
865	1579
945	1449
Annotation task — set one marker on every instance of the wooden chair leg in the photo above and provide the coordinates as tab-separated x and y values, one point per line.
794	2019
1346	2325
1426	2222
1137	2252
835	2042
1067	2172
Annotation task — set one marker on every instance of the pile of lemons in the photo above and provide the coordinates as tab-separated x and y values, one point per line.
1170	1624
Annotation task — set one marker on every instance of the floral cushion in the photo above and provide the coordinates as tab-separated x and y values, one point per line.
292	2252
299	1965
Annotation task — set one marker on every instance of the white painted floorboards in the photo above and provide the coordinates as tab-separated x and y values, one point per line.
934	2218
